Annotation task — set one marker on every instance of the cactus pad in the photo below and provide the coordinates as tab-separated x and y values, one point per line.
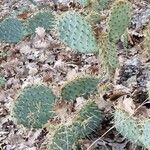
128	126
93	17
108	54
77	33
79	87
99	5
63	139
103	4
146	134
147	39
83	3
119	19
43	19
2	81
11	30
88	119
34	106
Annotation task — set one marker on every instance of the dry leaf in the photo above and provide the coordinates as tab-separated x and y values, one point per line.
40	32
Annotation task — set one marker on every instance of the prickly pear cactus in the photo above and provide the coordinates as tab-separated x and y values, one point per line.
34	106
108	54
147	39
11	30
83	3
33	2
103	4
88	119
77	33
79	87
64	139
93	17
146	134
99	5
2	81
119	19
43	19
129	127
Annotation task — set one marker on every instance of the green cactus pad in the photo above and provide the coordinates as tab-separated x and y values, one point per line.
93	17
43	19
108	54
99	5
128	126
146	134
79	87
34	106
2	81
11	30
119	19
103	4
83	3
147	39
88	119
63	139
77	33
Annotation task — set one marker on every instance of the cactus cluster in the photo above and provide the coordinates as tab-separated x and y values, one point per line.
75	30
13	30
35	106
134	129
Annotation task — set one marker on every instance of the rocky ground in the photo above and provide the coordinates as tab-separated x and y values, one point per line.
44	59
